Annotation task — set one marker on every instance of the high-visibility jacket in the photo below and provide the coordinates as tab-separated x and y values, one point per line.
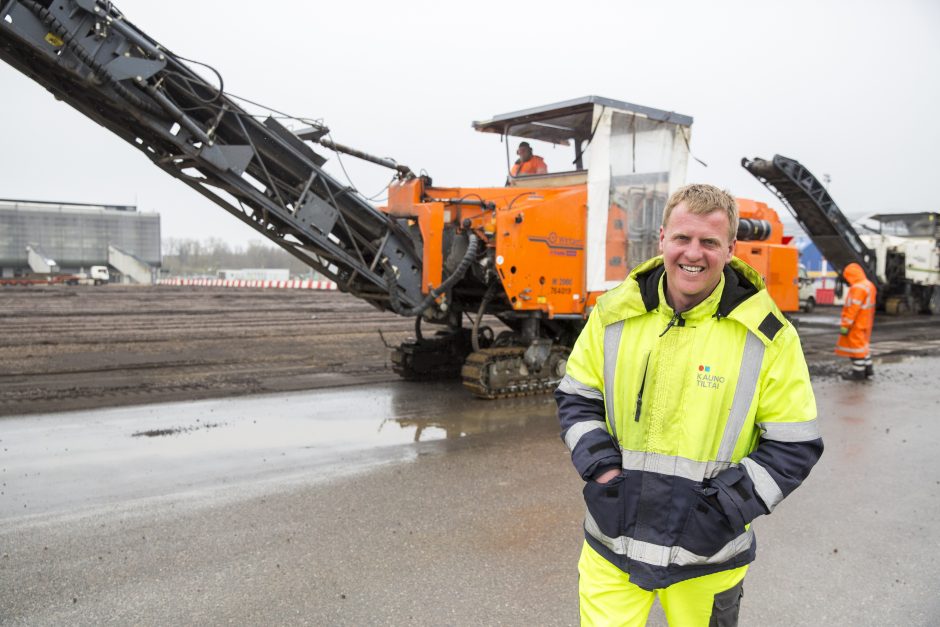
535	165
858	314
709	413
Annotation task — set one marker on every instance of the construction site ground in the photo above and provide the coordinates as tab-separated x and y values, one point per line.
378	501
77	348
66	348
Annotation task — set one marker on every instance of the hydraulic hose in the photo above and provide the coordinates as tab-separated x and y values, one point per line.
458	274
475	332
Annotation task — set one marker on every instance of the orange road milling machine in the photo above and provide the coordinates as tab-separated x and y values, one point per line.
534	254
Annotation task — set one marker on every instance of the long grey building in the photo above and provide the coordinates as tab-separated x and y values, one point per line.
74	235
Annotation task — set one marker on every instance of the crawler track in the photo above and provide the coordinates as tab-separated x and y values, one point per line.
494	373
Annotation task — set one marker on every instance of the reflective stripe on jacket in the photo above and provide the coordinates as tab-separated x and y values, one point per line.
709	413
858	314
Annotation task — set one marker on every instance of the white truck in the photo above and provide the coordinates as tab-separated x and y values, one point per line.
96	275
807	290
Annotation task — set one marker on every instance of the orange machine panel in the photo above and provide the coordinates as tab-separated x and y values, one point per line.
776	262
540	251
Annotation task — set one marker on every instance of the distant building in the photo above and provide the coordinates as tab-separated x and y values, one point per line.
75	236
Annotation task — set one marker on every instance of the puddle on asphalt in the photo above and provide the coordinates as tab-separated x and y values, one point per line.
818	319
893	359
158	433
337	420
835	369
56	461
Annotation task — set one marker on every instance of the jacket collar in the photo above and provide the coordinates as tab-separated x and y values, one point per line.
643	292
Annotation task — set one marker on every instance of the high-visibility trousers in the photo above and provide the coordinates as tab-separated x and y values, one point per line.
608	598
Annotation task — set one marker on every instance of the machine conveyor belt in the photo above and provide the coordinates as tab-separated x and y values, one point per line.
812	206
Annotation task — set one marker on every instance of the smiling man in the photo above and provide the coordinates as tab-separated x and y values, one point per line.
688	412
696	247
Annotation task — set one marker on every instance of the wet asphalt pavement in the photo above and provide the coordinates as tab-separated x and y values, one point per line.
415	504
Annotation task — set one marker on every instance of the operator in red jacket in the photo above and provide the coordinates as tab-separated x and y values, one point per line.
858	317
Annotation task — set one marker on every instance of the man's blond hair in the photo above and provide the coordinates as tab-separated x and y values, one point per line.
701	199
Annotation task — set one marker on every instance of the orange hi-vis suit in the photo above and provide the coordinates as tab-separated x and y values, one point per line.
535	165
858	314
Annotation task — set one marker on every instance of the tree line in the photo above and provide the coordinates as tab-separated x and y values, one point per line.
185	257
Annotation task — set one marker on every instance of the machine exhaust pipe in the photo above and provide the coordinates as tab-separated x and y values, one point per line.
753	230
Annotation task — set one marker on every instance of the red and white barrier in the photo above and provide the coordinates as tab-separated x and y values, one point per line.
294	284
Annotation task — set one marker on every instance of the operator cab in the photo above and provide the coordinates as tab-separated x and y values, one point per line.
924	224
557	133
577	135
629	156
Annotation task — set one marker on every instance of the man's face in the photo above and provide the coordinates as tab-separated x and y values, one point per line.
695	250
524	152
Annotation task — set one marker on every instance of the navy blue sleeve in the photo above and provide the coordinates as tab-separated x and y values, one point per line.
584	431
765	477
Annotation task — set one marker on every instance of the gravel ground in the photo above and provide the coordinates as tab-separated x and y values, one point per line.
79	348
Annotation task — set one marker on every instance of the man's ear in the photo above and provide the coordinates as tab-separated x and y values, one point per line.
662	238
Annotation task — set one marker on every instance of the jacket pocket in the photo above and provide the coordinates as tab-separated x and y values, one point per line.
605	502
707	529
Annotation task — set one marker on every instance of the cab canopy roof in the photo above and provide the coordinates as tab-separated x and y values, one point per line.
572	119
923	224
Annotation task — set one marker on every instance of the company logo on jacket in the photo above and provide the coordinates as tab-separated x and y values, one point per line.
707	379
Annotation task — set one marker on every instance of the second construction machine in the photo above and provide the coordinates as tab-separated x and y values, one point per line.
901	255
446	256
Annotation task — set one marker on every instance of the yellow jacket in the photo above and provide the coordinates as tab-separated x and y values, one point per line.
709	413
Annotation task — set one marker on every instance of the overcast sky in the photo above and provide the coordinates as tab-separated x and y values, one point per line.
849	89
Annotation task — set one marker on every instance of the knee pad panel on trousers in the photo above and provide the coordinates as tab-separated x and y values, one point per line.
726	607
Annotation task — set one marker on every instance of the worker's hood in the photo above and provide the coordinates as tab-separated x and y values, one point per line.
853	273
642	290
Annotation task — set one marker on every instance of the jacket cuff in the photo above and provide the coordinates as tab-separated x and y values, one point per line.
601	465
737	496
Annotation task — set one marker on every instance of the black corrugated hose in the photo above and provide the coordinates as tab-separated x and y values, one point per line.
458	274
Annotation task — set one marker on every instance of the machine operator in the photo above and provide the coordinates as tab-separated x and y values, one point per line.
527	164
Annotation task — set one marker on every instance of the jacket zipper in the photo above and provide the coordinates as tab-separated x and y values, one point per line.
639	396
676	317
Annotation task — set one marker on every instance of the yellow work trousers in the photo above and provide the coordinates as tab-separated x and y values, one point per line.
608	598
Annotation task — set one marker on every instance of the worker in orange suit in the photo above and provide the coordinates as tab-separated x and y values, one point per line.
858	317
528	163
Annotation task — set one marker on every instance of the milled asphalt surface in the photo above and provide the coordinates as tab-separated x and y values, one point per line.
407	504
